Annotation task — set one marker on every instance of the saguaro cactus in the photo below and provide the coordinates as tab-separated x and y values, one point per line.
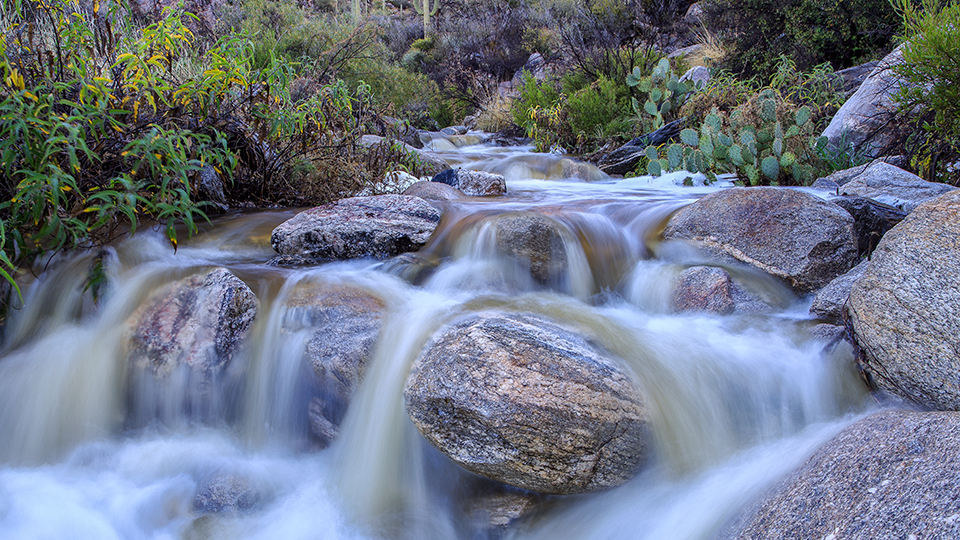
423	8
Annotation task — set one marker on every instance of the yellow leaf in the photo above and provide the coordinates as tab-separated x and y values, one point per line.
30	95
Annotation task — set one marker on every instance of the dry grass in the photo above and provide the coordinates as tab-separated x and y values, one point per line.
495	115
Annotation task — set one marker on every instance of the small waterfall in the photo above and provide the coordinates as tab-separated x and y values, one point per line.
93	448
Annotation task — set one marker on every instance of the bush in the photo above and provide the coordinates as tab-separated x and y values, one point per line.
932	67
811	32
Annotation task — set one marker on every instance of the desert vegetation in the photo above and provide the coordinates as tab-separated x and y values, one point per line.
115	116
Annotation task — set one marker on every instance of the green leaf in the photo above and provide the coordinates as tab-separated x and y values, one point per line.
706	144
736	155
753	175
777	146
787	159
665	108
689	137
674	156
770	167
656	94
645	85
652	153
651	108
803	115
653	168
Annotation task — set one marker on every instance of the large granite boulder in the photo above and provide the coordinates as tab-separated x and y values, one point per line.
904	309
378	227
535	241
787	233
895	474
185	335
867	122
893	186
524	401
345	322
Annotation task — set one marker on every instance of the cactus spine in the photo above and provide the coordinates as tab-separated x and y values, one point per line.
423	8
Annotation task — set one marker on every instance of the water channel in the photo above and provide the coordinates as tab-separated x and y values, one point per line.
737	400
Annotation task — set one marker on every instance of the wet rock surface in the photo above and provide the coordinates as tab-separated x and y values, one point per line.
905	309
434	191
377	227
711	289
535	241
789	234
345	322
526	402
225	493
198	322
473	183
895	474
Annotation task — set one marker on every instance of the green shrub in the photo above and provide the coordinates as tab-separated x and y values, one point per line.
841	32
597	113
932	67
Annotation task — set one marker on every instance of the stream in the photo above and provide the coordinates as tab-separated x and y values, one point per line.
737	401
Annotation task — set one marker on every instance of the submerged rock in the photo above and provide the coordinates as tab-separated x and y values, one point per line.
526	402
434	191
198	322
535	241
225	493
895	474
378	227
904	309
711	289
345	322
787	233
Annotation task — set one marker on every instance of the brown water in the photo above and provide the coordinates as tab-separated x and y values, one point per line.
736	400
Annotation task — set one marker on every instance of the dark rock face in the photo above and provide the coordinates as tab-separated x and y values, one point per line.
378	227
535	241
891	185
895	474
904	309
345	321
198	322
787	233
525	402
829	302
872	220
625	158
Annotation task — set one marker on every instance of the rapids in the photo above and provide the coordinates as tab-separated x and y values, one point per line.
737	401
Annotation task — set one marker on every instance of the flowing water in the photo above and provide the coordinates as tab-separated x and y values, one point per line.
737	401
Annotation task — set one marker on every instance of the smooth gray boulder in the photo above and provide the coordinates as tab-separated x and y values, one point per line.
829	302
893	186
523	401
345	322
904	311
895	474
867	122
377	227
787	233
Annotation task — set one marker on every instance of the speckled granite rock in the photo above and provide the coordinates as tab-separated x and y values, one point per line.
535	241
893	475
905	309
526	402
711	289
893	186
787	233
378	227
473	183
434	191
